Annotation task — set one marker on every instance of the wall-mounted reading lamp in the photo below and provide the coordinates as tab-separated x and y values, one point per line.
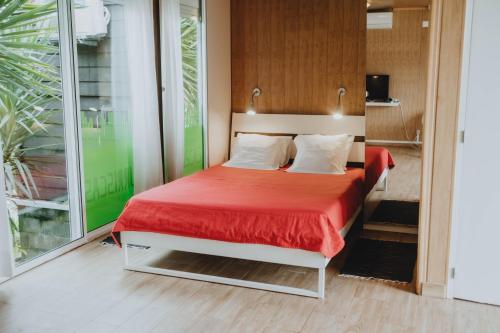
339	112
255	93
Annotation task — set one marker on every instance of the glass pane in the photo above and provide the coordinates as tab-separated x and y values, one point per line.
41	230
32	129
104	103
193	136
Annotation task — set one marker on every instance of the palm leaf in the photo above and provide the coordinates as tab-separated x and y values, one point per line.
25	31
17	13
189	38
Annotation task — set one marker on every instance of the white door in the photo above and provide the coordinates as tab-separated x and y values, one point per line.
477	260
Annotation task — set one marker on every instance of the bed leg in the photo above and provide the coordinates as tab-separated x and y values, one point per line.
383	185
125	253
321	283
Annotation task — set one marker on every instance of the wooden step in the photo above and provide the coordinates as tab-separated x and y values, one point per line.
391	227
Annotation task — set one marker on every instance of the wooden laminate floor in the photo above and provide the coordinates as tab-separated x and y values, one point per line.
404	179
86	290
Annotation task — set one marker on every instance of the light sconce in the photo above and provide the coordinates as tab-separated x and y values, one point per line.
255	93
339	112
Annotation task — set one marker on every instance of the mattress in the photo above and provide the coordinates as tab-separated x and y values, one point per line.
377	159
292	210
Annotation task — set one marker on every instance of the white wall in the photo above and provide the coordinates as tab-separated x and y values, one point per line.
218	40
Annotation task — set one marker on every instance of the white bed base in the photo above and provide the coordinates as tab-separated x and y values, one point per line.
381	185
382	182
256	252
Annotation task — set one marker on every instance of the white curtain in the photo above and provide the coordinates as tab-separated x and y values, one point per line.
172	82
148	167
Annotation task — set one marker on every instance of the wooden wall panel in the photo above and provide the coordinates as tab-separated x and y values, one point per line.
401	52
299	53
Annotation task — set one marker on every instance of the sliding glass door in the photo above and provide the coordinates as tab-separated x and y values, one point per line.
37	129
104	104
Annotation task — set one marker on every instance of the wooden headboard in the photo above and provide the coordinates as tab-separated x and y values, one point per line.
294	124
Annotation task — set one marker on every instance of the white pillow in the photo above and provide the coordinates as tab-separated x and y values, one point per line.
347	149
286	145
326	154
256	152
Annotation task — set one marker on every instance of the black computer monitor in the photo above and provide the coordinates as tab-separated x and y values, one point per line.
377	87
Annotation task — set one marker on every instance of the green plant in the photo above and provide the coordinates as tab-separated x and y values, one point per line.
189	44
12	212
28	82
25	45
19	120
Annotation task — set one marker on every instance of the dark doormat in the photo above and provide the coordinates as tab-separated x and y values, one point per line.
109	241
396	212
381	260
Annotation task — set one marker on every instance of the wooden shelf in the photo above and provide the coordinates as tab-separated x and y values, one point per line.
385	104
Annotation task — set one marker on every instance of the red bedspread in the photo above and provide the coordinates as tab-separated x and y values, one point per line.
377	159
303	211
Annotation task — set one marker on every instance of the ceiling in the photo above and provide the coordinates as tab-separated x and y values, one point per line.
386	4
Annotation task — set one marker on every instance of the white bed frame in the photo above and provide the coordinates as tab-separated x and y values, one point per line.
369	207
371	204
265	124
382	182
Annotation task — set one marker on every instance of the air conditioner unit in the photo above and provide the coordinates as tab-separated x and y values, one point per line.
381	20
91	19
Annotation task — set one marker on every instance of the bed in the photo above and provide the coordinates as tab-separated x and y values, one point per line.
378	163
271	216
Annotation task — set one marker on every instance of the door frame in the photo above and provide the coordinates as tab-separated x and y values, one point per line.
428	142
433	272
